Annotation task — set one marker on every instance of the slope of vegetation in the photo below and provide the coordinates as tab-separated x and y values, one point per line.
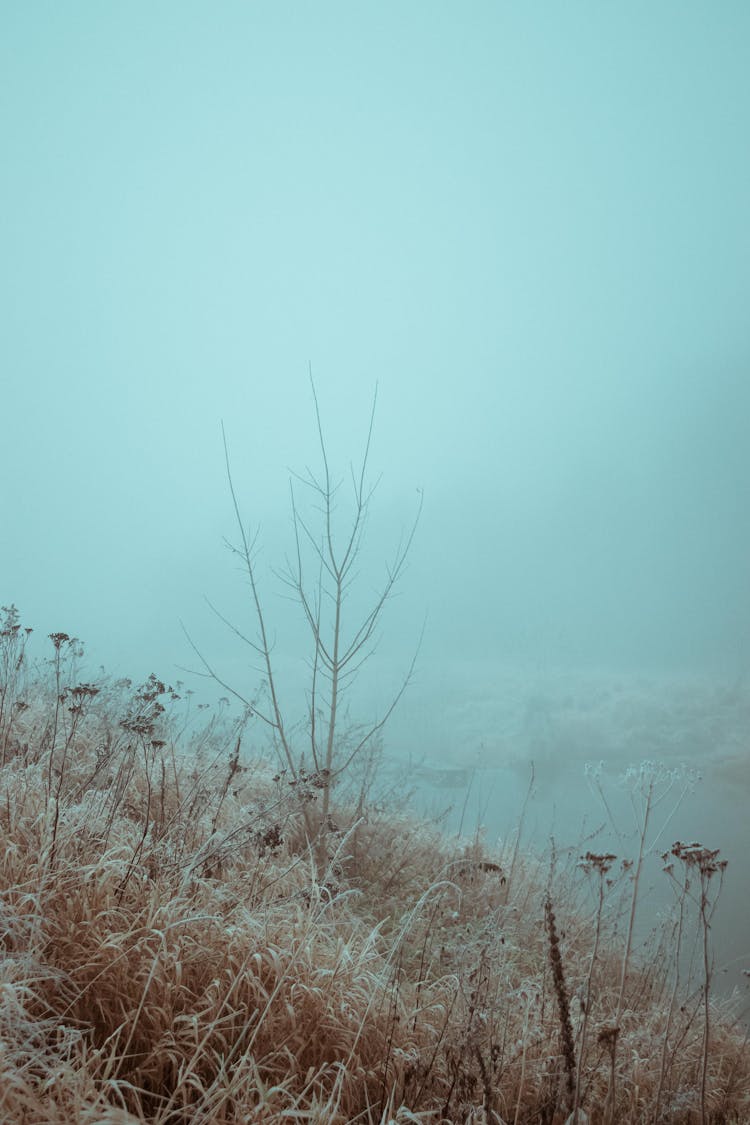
175	951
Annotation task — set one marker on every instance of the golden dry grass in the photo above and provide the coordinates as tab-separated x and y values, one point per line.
173	954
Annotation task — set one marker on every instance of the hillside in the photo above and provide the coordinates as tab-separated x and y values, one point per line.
175	950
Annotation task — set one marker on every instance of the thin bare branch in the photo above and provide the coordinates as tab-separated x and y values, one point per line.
232	627
373	730
367	444
298	522
266	651
327	492
314	682
211	673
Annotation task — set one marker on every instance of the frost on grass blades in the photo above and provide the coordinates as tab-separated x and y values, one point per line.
172	955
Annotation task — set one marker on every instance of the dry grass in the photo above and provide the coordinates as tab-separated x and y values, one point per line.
174	953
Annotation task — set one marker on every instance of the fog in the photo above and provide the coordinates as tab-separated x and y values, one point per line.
528	227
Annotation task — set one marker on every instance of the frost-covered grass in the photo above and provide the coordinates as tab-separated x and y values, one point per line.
174	951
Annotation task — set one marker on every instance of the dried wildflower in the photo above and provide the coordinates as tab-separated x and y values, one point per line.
706	860
600	863
607	1038
81	691
563	1000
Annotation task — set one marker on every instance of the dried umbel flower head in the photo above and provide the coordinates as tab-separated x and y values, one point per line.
705	860
607	1037
599	862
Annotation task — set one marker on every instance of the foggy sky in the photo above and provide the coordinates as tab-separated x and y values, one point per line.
528	224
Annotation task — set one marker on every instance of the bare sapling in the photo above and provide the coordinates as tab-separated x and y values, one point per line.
320	574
